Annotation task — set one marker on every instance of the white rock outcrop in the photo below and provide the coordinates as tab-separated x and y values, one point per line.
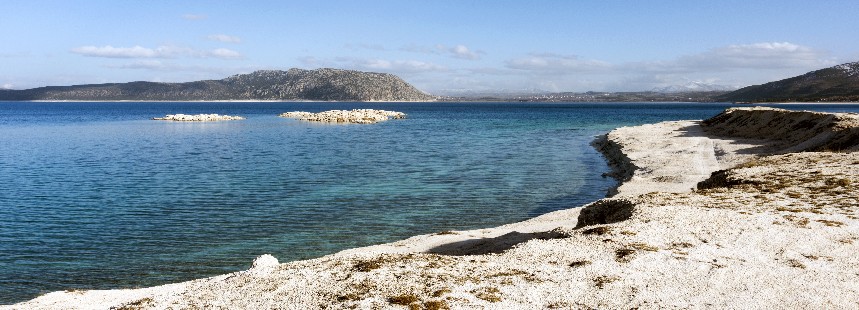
356	116
197	118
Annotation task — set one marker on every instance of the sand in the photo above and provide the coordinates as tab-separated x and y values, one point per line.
702	220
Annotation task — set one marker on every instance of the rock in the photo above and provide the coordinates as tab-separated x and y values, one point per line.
263	265
265	261
197	118
357	116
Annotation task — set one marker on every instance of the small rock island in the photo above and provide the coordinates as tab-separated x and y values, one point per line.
356	116
197	118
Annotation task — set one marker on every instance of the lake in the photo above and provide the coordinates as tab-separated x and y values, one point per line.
99	196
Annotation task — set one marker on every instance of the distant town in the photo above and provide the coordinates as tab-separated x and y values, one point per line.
647	96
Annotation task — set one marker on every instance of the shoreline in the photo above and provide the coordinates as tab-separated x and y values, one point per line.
663	240
740	104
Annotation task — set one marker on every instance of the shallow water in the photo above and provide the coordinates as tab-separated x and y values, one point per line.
96	195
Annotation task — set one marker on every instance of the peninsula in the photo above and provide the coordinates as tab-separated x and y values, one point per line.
753	208
296	84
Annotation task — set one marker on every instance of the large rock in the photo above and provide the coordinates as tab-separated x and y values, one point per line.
197	118
357	116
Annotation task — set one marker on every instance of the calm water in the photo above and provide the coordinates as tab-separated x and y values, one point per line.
96	195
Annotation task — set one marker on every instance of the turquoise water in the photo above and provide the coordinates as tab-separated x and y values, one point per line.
97	196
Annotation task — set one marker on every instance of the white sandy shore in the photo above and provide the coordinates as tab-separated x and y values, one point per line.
775	232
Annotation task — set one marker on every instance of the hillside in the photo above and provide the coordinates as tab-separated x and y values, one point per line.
835	84
296	84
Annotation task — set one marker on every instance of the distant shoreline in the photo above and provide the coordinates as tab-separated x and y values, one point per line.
448	101
203	101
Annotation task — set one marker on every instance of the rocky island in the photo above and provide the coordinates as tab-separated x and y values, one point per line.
295	84
753	208
356	116
197	118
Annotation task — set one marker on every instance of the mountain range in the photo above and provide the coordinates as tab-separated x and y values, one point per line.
834	84
295	84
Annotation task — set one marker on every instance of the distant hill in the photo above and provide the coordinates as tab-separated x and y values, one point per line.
834	84
296	84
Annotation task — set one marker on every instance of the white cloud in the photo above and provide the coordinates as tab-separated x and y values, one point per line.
194	16
770	56
767	55
143	64
557	64
121	52
224	53
423	49
758	56
374	64
459	51
377	64
395	66
311	61
158	52
7	86
731	65
224	38
462	52
162	66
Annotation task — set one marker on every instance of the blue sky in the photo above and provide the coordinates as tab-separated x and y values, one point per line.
439	46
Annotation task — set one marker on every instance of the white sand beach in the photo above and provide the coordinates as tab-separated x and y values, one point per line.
754	208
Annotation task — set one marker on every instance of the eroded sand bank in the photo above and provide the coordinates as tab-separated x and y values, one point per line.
762	231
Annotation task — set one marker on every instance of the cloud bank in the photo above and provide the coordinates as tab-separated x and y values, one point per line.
734	65
462	52
166	66
137	51
458	51
557	64
444	67
768	55
224	38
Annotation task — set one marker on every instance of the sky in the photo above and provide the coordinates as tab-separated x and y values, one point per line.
441	47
